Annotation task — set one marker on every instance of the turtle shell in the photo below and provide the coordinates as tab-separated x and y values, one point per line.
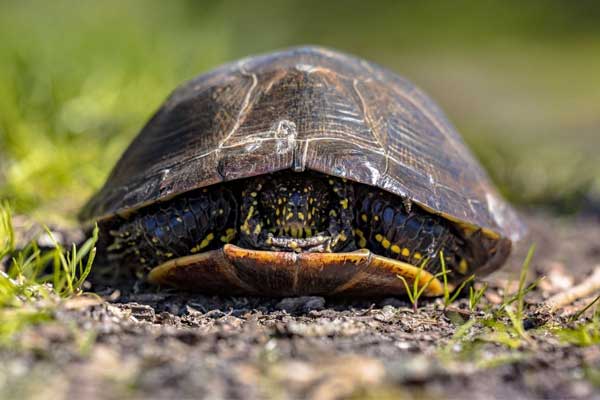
306	108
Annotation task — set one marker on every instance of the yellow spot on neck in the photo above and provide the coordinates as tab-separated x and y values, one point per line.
364	217
379	237
344	203
463	266
405	252
205	242
229	235
362	242
395	248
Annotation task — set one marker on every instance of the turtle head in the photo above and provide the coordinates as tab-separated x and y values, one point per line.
287	211
294	207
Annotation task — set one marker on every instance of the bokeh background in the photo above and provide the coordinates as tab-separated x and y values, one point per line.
519	79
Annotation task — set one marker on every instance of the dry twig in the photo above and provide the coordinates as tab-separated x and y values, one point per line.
586	288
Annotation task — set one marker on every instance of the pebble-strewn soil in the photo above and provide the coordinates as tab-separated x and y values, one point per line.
143	344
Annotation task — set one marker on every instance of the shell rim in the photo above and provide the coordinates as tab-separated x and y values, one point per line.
125	212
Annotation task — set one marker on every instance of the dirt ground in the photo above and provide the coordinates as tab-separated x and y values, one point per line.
142	344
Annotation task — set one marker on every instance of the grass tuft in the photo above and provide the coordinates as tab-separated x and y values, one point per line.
28	293
7	234
475	295
583	334
417	290
516	316
451	295
69	269
577	315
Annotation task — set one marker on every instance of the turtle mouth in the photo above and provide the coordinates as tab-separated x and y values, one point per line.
296	235
317	243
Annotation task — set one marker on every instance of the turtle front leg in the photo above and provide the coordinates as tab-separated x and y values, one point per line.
341	218
200	221
251	228
390	228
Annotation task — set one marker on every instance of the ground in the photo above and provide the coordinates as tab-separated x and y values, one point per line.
141	343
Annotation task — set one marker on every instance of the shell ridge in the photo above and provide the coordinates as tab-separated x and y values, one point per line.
378	176
243	109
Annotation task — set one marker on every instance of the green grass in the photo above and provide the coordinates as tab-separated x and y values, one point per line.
7	234
516	316
583	333
502	325
415	290
449	294
493	326
36	281
475	295
578	314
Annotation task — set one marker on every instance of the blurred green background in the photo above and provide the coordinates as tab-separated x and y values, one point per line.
519	79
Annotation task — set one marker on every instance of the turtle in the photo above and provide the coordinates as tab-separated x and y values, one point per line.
304	171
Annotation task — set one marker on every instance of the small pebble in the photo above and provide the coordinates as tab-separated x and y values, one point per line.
386	314
142	312
301	304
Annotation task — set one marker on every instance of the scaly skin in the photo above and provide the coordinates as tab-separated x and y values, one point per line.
288	211
201	221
